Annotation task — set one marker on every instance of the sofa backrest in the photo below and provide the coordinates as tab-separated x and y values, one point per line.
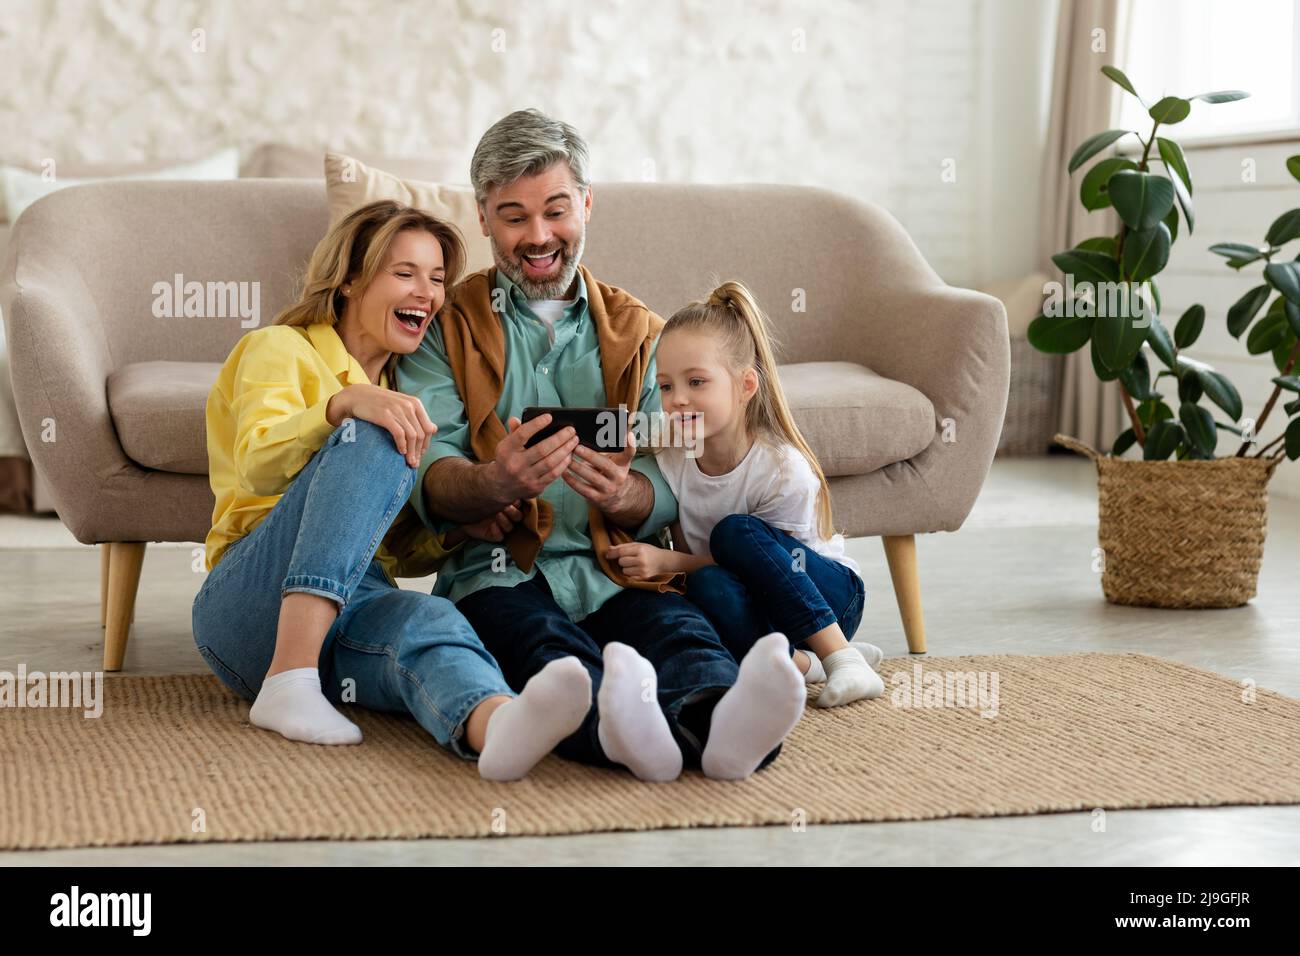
804	251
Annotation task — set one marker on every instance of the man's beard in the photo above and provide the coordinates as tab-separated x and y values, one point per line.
551	288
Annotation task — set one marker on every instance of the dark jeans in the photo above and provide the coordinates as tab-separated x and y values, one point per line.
525	629
754	587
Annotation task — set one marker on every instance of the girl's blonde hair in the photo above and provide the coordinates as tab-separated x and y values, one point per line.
732	315
354	250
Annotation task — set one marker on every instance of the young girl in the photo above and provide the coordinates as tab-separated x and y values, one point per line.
754	526
312	455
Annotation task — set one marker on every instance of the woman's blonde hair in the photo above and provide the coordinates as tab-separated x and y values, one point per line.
732	315
353	251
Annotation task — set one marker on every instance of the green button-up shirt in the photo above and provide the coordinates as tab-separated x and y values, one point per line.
538	372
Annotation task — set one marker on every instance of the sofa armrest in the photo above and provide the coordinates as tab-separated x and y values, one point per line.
951	344
60	363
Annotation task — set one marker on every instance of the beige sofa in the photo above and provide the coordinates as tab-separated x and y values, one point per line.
898	380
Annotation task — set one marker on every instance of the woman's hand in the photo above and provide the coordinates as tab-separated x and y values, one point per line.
403	416
642	561
497	526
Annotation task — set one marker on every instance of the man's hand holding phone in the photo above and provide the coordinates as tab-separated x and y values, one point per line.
521	472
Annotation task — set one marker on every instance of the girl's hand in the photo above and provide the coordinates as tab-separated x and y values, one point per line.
403	416
497	526
641	561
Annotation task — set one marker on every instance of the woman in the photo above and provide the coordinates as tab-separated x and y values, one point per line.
312	456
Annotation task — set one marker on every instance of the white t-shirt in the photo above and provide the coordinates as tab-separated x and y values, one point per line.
773	482
549	310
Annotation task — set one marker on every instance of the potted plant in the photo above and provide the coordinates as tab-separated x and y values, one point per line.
1180	527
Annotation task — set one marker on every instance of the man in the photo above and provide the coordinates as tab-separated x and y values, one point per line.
539	329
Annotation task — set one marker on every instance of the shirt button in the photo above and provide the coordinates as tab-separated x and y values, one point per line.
546	371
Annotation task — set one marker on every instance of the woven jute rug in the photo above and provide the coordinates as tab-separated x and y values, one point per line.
174	759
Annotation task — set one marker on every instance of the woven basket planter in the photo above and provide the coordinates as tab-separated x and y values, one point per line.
1180	534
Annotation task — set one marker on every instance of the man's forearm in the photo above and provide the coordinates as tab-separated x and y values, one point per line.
458	489
636	503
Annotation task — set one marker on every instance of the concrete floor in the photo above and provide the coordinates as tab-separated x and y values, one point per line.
1017	579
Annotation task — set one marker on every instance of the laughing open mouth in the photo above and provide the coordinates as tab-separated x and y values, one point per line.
411	319
541	263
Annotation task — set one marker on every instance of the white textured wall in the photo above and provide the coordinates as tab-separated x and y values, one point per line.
880	94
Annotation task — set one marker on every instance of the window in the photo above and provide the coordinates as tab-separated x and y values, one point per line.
1185	47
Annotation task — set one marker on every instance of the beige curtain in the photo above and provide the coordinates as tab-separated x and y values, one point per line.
1083	103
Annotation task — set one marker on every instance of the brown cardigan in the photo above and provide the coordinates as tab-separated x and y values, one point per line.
475	343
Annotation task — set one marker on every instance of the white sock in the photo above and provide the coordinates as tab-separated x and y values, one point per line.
848	678
815	673
633	730
758	711
291	704
870	653
522	731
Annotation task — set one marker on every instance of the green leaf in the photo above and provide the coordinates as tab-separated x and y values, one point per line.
1221	96
1092	190
1189	388
1185	204
1119	330
1293	165
1292	441
1243	310
1189	326
1221	391
1146	252
1093	145
1099	367
1292	312
1136	379
1282	354
1117	77
1153	410
1289	382
1171	110
1172	155
1163	439
1238	253
1141	199
1199	425
1171	221
1059	335
1161	343
1291	407
1126	440
1285	228
1087	266
1106	245
1267	334
1285	277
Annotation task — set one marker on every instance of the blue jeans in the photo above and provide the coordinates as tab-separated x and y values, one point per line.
396	651
525	629
753	588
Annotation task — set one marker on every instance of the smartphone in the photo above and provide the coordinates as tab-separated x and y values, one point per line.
601	429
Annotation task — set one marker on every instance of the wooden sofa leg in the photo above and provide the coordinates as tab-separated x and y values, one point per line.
105	555
124	563
900	552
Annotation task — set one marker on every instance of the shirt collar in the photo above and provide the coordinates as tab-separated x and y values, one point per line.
325	340
517	298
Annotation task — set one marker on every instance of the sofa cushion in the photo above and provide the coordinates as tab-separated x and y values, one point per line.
350	183
855	420
159	409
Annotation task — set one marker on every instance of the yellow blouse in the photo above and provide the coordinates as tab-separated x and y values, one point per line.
266	418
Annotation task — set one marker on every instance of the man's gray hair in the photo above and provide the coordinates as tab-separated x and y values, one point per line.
523	144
